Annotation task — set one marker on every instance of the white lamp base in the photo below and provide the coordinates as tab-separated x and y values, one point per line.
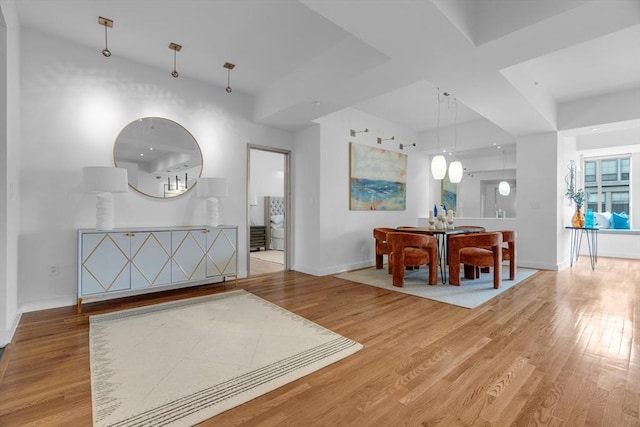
212	211
104	211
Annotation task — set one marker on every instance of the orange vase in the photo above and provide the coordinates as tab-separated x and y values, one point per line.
577	220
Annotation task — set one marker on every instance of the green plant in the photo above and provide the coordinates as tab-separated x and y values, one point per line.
576	196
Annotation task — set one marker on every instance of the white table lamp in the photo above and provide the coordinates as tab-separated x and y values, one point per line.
104	181
212	189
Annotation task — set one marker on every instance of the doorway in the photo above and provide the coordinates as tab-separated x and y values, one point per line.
268	228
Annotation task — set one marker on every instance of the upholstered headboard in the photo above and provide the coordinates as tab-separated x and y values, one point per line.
273	205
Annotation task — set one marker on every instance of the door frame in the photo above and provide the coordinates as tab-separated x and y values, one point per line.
287	203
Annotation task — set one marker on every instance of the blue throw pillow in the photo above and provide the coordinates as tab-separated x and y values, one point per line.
620	221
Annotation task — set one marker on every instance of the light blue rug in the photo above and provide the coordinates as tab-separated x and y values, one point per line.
470	293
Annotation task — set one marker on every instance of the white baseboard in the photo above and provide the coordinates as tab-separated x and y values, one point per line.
63	301
333	270
6	335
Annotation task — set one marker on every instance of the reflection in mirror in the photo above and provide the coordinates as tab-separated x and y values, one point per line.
478	195
496	205
161	157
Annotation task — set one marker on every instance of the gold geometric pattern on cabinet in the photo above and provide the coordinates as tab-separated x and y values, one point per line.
98	276
221	252
125	261
188	254
150	259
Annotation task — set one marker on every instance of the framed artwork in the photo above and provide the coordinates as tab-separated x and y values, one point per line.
449	195
377	179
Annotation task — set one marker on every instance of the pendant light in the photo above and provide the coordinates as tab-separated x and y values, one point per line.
438	163
108	23
455	167
229	66
504	188
176	48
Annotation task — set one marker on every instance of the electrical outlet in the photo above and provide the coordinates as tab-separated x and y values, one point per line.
53	269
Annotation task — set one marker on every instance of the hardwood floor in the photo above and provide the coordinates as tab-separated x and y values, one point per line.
262	266
562	348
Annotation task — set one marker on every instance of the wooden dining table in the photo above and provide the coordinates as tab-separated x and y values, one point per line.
442	241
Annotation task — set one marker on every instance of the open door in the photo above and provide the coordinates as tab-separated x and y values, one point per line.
268	227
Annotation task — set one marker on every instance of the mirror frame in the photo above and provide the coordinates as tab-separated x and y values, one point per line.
168	174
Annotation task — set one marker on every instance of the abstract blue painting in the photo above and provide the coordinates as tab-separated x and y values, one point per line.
378	179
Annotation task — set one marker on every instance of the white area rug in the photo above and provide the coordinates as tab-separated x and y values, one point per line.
470	293
272	256
182	362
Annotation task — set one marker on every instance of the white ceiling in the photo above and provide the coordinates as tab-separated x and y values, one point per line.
508	62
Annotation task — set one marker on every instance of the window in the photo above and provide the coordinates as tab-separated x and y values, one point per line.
607	184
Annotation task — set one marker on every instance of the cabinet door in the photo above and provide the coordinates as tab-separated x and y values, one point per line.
105	263
150	259
188	254
221	251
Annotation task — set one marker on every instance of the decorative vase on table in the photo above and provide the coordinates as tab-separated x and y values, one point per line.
577	220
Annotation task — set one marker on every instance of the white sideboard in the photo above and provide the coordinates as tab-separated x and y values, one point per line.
121	262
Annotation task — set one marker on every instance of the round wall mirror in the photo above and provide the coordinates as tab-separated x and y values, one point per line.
161	157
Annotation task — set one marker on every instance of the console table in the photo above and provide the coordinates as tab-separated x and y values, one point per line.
122	262
592	243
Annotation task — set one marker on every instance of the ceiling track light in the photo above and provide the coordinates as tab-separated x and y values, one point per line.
229	66
108	23
379	140
354	132
410	145
175	48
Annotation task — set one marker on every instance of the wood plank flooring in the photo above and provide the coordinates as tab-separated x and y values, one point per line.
260	266
562	348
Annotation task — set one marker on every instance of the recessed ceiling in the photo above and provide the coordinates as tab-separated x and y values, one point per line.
384	57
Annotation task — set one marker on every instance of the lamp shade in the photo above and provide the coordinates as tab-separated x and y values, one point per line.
504	188
105	179
212	187
438	166
254	201
455	171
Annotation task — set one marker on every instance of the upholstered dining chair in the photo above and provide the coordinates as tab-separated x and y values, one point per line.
475	250
508	254
382	246
509	251
411	250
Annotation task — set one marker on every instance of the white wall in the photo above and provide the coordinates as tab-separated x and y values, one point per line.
306	203
345	236
10	143
538	200
74	104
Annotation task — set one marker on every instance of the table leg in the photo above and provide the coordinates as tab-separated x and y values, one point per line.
592	242
442	256
575	245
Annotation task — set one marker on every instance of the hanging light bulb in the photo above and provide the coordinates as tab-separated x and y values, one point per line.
229	66
455	172
438	163
438	166
176	48
504	188
107	23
